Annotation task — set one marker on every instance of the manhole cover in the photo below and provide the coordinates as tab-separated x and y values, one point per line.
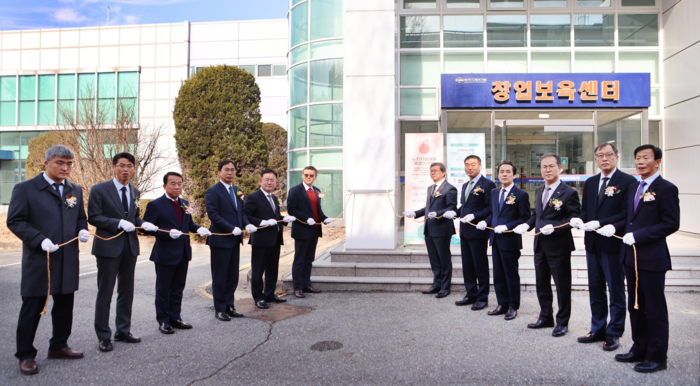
327	346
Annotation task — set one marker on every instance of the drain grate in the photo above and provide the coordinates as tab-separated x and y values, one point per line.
327	345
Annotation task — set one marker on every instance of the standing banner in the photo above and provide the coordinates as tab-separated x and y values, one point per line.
459	147
422	149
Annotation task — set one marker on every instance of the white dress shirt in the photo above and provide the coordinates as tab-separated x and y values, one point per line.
229	190
600	183
648	182
60	184
119	191
553	188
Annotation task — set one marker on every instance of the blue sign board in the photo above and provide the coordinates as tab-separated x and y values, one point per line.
543	91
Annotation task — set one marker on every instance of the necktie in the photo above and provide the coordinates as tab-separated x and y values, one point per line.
602	189
233	197
57	188
546	197
125	203
502	199
640	193
272	203
469	189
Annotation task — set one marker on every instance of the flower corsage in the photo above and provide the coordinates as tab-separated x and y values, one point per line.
611	190
437	193
556	204
649	196
187	208
240	194
477	190
510	200
71	200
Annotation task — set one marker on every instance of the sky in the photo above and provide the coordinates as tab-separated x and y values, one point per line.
34	14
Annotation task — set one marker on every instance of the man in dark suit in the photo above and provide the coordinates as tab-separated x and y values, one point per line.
113	207
304	203
224	202
440	202
44	212
555	204
653	213
473	242
263	208
604	202
510	206
172	251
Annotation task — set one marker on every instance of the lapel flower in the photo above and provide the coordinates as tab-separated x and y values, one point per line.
137	202
71	200
510	200
611	190
240	194
279	202
321	195
649	196
477	190
437	193
187	208
556	204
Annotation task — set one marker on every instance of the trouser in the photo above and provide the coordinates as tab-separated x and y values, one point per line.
650	322
29	317
170	284
440	260
224	275
605	269
475	267
110	271
559	268
506	279
264	260
304	255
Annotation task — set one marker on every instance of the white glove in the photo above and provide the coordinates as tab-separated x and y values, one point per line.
328	221
48	245
84	236
521	229
175	233
468	218
237	231
149	227
628	239
266	223
450	214
499	229
289	219
409	214
204	232
126	226
432	214
251	228
576	223
591	224
311	222
547	229
481	225
607	230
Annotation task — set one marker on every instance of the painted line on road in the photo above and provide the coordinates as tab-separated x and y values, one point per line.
91	272
10	265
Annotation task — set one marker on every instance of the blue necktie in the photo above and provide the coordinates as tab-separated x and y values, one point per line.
125	202
502	200
233	197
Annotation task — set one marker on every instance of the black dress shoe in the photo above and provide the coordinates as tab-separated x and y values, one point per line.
179	324
105	345
432	290
127	338
222	316
541	324
232	312
649	367
299	294
511	314
591	337
261	304
442	294
311	290
479	306
276	299
165	328
630	357
499	310
612	343
559	331
466	301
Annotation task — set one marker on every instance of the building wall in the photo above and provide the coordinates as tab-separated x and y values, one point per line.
681	55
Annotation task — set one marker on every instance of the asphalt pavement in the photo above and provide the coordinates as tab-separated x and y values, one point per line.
352	338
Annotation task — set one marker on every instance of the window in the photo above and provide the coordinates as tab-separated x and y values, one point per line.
300	54
47	100
640	62
127	92
420	68
86	96
625	132
464	31
297	159
506	30
595	61
419	4
550	31
638	30
105	97
279	70
27	100
327	158
250	68
420	31
330	182
594	30
451	4
326	125
507	3
418	101
66	98
551	62
463	62
297	85
264	70
326	19
594	3
8	100
297	125
300	24
507	62
550	3
638	3
327	49
326	80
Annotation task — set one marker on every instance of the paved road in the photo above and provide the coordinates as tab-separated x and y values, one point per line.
387	338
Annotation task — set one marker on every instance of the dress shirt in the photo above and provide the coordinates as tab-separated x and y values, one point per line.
60	184
119	191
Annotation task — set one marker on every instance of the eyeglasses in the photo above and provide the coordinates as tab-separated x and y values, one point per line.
268	180
125	166
549	167
309	175
606	155
67	165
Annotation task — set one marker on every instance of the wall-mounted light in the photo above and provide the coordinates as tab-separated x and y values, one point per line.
544	116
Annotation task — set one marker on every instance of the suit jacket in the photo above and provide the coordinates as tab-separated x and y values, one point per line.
609	210
299	206
37	212
446	201
224	216
478	205
105	210
511	215
561	242
169	251
257	208
650	224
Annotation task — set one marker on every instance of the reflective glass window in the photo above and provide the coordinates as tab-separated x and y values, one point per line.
638	30
298	82
327	49
127	91
27	101
507	62
47	103
551	62
326	19
640	62
264	70
463	31
326	125
47	87
330	182
624	129
66	98
506	30
594	61
297	159
594	30
297	125
655	108
300	54
86	86
463	62
326	80
451	4
594	3
550	31
279	70
507	3
127	83
300	24
419	4
638	3
8	88
420	68
327	158
7	113
550	3
250	68
418	101
420	31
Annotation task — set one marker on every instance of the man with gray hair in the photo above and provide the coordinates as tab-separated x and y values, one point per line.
45	212
439	209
